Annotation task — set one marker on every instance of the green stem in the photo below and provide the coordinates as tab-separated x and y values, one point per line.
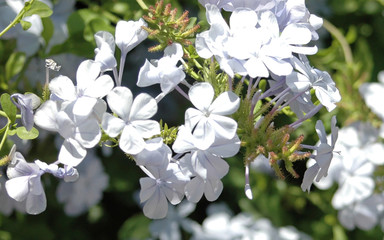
142	4
3	114
18	18
4	136
343	42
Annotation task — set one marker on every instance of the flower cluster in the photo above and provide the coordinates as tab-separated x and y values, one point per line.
246	74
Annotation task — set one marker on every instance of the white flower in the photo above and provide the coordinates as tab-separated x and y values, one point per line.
307	77
364	214
162	184
78	136
26	103
355	179
164	71
324	155
90	87
87	191
373	94
129	34
208	121
133	123
207	163
169	227
8	204
105	51
24	184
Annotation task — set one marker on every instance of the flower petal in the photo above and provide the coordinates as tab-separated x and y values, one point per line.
120	101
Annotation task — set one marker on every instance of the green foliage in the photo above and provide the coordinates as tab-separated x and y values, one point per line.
22	133
8	107
14	65
136	227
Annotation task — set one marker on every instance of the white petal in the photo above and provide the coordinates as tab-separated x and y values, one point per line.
120	101
223	126
146	128
130	141
243	18
204	134
36	204
148	75
194	190
18	188
88	133
83	107
148	188
157	206
143	107
100	88
66	127
112	125
63	87
225	148
225	104
45	116
86	74
201	95
213	189
71	153
129	34
296	34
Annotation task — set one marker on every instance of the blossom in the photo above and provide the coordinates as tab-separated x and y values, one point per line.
321	81
355	179
24	183
373	95
105	50
68	173
90	87
129	34
133	123
26	103
87	191
363	214
169	227
78	136
164	71
208	121
162	184
8	204
324	155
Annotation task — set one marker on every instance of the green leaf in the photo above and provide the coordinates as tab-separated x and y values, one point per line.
24	134
49	28
12	132
135	227
40	9
95	25
8	107
14	65
25	25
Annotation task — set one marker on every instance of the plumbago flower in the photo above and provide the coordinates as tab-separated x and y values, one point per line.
165	180
206	167
208	121
320	81
254	44
24	184
26	103
133	123
324	155
164	71
78	135
79	196
89	90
